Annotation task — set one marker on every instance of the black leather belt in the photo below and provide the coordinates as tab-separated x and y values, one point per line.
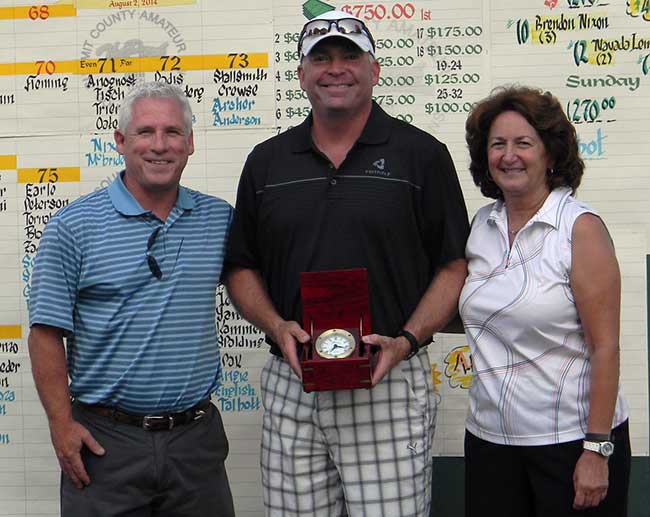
162	422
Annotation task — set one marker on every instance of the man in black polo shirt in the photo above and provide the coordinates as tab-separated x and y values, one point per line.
351	187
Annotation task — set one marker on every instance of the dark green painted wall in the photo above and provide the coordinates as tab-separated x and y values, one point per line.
448	493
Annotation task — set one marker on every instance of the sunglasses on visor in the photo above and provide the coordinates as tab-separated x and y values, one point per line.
317	28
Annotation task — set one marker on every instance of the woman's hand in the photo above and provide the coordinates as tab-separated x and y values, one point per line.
590	480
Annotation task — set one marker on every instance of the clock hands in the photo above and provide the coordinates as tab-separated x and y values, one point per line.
335	344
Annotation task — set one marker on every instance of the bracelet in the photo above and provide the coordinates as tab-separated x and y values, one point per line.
596	437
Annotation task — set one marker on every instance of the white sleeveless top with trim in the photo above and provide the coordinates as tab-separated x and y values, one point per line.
531	364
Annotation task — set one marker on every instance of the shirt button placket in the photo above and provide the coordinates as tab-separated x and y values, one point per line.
331	175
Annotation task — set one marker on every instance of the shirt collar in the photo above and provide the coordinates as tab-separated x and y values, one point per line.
376	131
124	202
549	213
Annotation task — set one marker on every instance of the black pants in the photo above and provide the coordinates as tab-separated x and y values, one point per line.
174	473
537	481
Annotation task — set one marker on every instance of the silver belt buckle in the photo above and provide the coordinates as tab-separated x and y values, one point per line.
149	422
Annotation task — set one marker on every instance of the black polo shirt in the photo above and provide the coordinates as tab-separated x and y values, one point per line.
394	206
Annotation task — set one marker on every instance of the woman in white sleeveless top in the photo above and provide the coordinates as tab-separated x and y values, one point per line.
546	433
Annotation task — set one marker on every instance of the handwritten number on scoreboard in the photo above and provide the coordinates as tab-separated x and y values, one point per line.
170	63
589	110
580	52
379	12
107	64
582	3
49	67
238	60
39	12
48	175
523	31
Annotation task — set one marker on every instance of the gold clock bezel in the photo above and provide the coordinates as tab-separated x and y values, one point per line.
334	332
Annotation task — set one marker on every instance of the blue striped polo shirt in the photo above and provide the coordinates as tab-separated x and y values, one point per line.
134	341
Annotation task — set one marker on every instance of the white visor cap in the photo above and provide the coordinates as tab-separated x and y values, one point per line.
314	32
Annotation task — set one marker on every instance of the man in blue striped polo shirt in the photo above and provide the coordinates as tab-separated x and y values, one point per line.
127	275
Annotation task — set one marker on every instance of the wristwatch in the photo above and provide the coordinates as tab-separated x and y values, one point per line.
413	342
604	448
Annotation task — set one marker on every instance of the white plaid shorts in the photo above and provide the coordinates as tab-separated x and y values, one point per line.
354	453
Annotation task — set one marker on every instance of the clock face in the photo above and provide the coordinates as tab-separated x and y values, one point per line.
335	344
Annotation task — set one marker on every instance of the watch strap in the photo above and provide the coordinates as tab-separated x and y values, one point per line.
605	448
413	341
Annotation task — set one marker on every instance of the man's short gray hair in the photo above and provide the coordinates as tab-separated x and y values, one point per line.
157	90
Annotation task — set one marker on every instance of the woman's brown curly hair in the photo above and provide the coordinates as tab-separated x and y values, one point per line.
544	113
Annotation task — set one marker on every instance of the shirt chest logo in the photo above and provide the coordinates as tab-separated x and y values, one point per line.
379	168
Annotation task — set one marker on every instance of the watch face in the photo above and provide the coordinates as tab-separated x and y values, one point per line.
335	344
606	448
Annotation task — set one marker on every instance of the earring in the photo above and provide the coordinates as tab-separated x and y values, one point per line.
550	171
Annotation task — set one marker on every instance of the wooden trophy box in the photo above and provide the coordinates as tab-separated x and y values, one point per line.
334	301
